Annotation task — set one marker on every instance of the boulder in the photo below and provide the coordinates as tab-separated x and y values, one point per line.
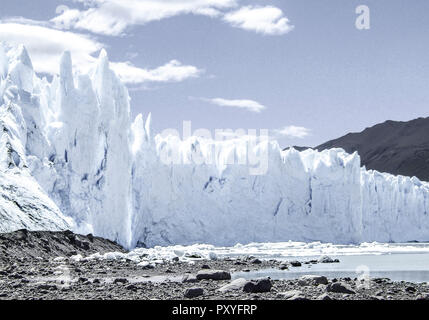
288	294
193	292
258	286
308	280
213	275
237	284
189	278
120	280
324	296
295	263
326	259
340	287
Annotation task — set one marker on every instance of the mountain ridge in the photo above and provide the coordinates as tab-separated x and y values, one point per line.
396	147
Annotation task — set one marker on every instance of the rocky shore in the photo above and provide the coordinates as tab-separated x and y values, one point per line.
43	265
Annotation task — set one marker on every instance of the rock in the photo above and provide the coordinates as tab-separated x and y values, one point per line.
324	296
131	287
295	263
299	298
288	294
189	278
193	292
45	286
205	266
176	259
22	234
213	275
237	284
284	266
120	280
71	253
258	286
84	245
380	280
145	265
256	261
340	287
423	296
308	280
326	259
410	289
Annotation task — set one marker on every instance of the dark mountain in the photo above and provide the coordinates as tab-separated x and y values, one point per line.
400	148
298	148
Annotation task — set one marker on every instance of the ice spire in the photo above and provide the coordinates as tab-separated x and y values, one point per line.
138	133
21	69
3	62
66	73
148	127
103	86
23	57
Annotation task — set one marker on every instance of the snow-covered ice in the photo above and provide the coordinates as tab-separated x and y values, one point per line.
270	250
71	157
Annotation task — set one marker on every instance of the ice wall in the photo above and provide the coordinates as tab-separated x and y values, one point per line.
71	158
304	196
23	202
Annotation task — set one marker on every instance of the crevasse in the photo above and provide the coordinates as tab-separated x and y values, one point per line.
71	158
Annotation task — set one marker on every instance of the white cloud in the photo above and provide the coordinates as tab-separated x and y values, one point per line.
266	20
172	71
249	105
112	17
46	45
293	132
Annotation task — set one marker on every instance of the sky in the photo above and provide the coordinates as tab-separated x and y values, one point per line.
299	68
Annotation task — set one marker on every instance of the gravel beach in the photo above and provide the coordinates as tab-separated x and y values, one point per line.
41	265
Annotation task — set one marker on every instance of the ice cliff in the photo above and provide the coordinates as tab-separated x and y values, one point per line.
71	157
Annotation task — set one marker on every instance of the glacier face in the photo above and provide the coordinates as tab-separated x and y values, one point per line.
72	158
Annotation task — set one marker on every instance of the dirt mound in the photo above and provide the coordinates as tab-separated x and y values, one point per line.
24	244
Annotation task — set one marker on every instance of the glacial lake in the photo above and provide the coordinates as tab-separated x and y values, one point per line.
396	261
412	267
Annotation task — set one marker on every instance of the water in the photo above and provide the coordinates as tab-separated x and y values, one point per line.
397	261
412	267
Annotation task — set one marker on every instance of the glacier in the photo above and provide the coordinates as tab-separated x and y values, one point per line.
71	157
